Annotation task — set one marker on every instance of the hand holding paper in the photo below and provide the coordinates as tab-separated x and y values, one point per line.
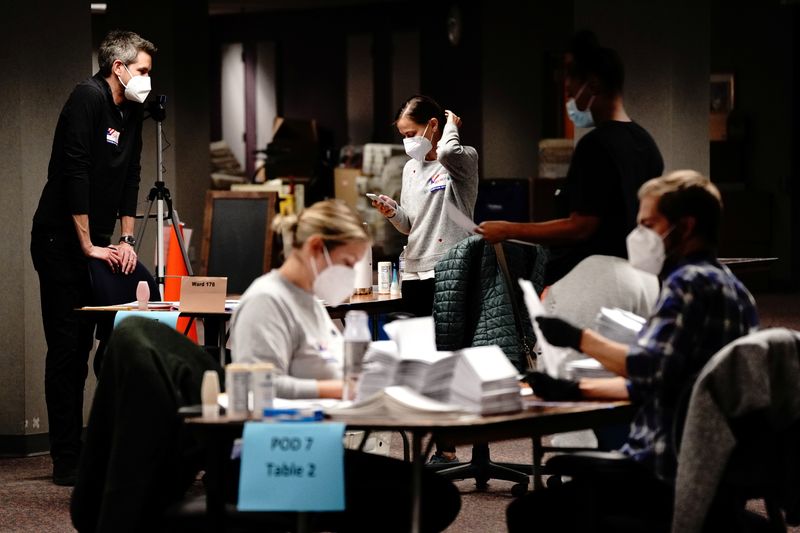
559	332
550	355
463	221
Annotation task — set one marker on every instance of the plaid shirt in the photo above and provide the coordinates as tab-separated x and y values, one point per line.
701	308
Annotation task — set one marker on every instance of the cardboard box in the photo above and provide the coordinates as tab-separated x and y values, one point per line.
345	185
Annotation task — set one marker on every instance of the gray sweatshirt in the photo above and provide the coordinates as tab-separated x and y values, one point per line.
280	323
420	213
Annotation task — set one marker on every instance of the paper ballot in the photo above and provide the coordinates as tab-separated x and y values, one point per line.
551	356
461	220
413	336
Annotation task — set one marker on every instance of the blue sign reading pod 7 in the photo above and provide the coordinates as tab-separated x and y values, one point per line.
292	467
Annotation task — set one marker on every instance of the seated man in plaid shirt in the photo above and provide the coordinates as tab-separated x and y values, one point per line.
701	308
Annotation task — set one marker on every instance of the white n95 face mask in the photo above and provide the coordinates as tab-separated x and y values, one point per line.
581	119
138	87
646	249
335	283
419	146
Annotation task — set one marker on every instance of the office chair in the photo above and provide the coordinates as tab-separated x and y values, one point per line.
113	288
138	456
472	307
737	438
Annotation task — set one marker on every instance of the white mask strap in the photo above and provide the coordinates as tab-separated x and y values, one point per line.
129	74
327	255
580	91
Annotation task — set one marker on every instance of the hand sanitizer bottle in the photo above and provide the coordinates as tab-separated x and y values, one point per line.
395	287
209	390
142	295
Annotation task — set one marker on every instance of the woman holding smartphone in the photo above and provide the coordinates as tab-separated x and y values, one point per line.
440	170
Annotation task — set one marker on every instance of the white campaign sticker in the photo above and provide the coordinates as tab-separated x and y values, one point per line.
112	136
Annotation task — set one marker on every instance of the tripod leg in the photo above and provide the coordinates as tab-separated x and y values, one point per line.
143	226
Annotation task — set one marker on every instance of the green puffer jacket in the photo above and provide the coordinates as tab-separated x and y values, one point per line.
470	302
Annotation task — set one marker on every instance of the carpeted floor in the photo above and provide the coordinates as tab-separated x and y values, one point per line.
29	502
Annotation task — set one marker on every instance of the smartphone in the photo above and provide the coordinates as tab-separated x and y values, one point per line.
376	198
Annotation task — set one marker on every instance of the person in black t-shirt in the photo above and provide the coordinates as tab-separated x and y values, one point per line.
92	179
599	204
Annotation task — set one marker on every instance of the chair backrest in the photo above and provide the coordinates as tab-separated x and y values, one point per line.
112	288
597	281
471	305
137	456
744	411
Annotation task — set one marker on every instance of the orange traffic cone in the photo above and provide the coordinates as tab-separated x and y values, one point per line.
172	285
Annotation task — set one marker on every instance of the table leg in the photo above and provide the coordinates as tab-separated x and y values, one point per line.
222	341
215	480
538	454
303	523
375	331
417	464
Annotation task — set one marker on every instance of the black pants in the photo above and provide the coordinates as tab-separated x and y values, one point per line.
377	498
601	503
64	286
418	297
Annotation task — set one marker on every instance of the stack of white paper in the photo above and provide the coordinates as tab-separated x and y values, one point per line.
586	368
619	325
431	375
396	402
480	379
380	364
427	373
485	382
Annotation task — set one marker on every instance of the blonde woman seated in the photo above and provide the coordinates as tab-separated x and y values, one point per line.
281	320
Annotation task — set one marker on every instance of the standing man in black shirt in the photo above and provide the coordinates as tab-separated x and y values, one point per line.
610	163
92	179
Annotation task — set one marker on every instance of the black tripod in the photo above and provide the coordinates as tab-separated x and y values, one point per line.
160	195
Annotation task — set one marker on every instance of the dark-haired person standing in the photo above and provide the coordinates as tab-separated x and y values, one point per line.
92	179
441	169
610	163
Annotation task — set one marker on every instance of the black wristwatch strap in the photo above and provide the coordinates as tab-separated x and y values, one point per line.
128	239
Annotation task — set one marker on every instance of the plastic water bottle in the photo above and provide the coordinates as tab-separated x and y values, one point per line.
356	340
262	381
401	266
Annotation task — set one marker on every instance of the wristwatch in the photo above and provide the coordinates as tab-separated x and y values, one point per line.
127	239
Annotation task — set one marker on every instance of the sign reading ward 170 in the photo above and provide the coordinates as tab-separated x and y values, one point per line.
292	467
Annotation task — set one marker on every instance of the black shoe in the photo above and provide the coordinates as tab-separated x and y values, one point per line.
65	475
440	459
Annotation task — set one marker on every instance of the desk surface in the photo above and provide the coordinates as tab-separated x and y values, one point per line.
536	418
371	303
534	421
367	302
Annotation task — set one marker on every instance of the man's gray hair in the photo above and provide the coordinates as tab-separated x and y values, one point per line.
122	45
